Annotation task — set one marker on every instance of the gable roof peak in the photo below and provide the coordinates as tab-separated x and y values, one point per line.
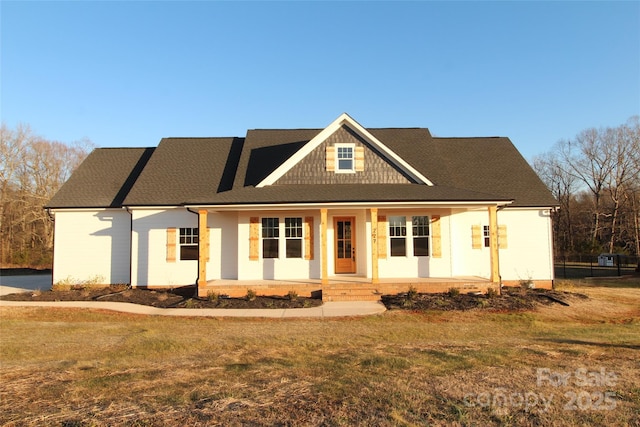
343	120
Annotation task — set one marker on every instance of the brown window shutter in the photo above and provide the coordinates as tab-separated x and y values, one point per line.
359	159
502	236
382	236
436	237
254	238
308	237
330	157
476	237
171	245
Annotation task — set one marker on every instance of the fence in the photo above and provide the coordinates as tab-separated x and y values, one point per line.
589	265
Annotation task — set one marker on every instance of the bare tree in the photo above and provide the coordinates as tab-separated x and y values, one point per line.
32	169
562	184
596	179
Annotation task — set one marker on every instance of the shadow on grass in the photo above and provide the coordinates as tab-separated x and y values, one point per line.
590	343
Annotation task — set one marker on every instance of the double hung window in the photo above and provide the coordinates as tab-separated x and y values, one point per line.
270	237
345	157
398	235
293	236
417	233
188	244
420	235
487	236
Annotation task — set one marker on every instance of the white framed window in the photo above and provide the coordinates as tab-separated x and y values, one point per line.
420	235
188	244
345	158
487	236
293	237
270	237
409	238
398	235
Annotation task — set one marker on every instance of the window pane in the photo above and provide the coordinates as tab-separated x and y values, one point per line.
189	252
398	247
345	152
294	248
269	248
345	158
420	246
293	227
344	164
270	227
420	225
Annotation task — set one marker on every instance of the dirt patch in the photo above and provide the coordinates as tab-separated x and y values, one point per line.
512	299
174	298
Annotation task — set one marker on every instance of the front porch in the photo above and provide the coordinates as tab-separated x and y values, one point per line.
344	288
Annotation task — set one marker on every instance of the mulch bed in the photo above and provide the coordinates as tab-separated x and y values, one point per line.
512	299
174	298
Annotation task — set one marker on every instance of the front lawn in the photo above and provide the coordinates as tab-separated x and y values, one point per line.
554	365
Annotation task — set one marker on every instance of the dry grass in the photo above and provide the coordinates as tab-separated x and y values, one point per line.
73	367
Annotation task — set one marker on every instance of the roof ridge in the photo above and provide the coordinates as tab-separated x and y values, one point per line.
469	137
201	137
368	128
123	148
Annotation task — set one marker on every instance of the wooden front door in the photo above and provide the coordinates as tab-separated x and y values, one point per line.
345	239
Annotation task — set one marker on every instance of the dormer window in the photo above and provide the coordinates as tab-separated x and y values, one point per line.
344	158
345	155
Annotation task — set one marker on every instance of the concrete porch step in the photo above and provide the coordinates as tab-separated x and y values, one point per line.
350	293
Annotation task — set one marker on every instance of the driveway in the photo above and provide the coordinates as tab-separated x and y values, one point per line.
24	283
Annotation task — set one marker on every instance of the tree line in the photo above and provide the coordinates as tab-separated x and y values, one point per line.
595	177
32	169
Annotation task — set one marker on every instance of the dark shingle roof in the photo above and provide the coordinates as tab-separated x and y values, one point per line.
103	179
226	171
186	169
335	193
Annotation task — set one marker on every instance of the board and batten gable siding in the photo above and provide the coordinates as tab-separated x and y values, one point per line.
412	266
250	268
92	246
312	169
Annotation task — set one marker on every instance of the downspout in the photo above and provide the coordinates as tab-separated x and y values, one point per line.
126	208
53	237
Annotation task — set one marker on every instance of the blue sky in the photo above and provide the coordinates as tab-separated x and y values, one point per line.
130	73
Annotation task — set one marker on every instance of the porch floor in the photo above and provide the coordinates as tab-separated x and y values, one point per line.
345	287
